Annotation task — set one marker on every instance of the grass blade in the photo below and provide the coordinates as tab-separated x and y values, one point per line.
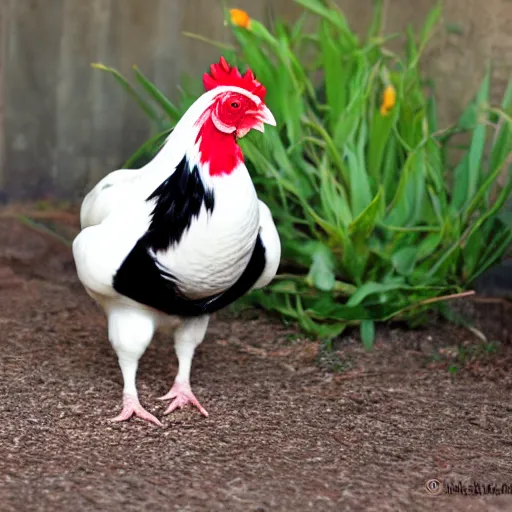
169	108
144	105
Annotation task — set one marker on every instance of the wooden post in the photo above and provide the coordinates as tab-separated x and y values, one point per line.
3	51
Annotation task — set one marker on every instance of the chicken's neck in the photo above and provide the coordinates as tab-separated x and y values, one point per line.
217	149
195	138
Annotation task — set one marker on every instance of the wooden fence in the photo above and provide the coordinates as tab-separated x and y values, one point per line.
63	125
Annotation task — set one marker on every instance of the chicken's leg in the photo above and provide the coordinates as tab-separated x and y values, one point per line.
186	338
130	332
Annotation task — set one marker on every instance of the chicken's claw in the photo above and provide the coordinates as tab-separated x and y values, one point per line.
131	406
181	395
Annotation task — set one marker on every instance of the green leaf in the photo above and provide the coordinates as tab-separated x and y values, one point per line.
428	245
472	252
371	288
493	211
144	105
287	286
469	117
498	166
326	307
468	174
404	260
461	180
431	21
334	77
364	224
360	193
333	198
376	24
368	333
171	110
498	246
147	151
406	206
297	30
475	159
324	330
321	273
380	130
334	16
432	113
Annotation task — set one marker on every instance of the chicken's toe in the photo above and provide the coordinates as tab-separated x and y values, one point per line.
131	406
181	395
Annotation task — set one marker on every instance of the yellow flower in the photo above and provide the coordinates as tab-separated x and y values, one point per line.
240	18
388	100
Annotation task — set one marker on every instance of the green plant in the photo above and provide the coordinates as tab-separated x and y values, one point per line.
375	222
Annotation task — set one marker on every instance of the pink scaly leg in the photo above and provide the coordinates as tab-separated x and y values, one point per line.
186	338
182	395
130	332
131	406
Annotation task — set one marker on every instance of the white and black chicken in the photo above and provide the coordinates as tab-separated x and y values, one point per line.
183	236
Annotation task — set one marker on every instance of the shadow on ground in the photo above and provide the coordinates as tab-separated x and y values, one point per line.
291	428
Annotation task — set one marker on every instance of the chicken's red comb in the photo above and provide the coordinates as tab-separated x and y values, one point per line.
223	74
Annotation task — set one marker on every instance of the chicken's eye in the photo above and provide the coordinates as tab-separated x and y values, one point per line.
235	104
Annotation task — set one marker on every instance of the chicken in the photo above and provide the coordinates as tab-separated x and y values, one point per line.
182	237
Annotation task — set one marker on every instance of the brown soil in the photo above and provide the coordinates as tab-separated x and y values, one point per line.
292	426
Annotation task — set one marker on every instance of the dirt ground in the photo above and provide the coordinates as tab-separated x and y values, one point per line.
292	426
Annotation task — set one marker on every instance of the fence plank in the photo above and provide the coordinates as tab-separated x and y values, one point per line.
107	101
168	54
3	51
33	44
74	98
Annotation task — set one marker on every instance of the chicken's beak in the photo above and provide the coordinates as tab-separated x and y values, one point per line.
256	120
264	116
